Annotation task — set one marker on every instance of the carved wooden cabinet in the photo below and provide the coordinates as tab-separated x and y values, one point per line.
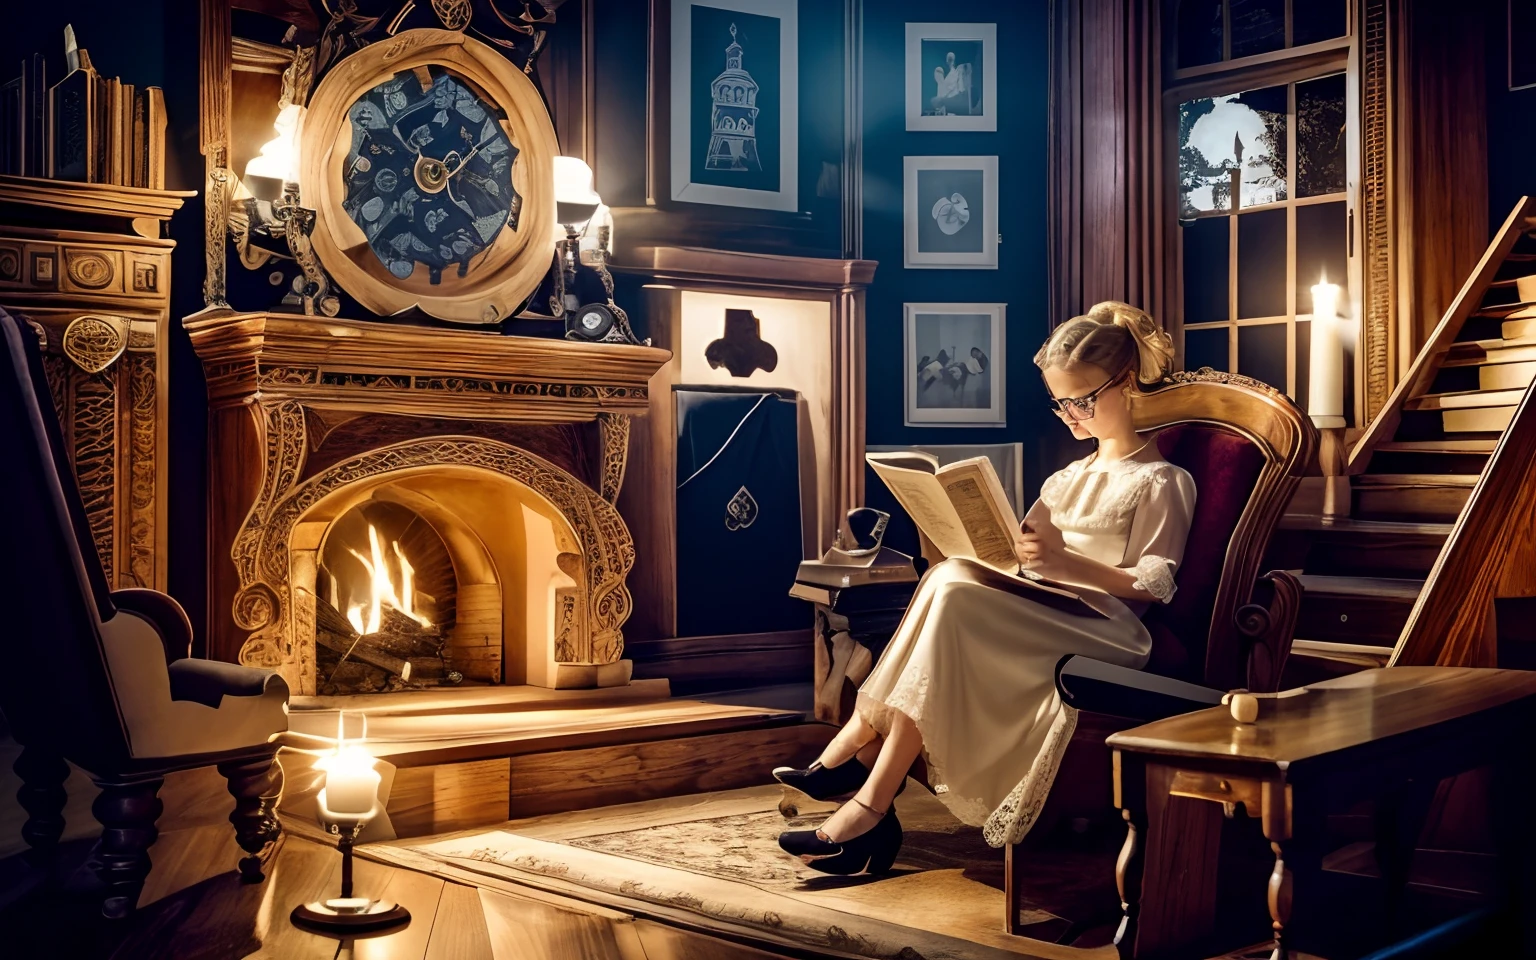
87	264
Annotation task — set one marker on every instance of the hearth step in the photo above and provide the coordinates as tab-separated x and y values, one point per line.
468	758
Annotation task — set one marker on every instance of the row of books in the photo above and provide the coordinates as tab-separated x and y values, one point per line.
86	127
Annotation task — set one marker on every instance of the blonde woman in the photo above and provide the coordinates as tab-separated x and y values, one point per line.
968	681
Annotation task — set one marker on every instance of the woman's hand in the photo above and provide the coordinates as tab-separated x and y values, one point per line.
1038	543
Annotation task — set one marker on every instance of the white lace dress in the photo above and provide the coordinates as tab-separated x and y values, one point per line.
973	662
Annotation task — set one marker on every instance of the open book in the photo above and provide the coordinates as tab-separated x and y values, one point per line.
962	509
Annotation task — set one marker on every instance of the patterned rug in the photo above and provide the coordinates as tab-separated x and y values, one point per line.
713	862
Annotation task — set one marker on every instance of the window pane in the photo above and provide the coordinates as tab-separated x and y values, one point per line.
1206	348
1261	353
1321	246
1199	32
1320	136
1258	26
1207	246
1315	20
1220	134
1261	265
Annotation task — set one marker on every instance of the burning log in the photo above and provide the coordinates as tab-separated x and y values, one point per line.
401	652
360	648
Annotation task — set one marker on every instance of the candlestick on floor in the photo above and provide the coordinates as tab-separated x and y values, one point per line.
347	914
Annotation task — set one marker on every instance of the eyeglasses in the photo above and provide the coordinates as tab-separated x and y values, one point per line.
1078	409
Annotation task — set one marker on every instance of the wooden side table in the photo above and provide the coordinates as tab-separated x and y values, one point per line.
1312	751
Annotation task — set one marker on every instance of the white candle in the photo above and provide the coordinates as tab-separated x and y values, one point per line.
351	783
1325	388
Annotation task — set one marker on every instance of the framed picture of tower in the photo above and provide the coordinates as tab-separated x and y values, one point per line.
735	103
951	76
949	213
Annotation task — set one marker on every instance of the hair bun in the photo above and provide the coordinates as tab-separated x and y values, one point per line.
1154	347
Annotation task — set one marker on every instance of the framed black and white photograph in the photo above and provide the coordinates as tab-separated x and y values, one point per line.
735	103
949	212
951	75
955	364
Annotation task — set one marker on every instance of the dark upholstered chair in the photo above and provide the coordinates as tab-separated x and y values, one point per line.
104	678
1246	445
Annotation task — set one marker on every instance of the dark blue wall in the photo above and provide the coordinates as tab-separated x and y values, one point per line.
1019	281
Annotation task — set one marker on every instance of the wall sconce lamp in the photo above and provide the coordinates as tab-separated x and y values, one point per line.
272	180
587	238
347	802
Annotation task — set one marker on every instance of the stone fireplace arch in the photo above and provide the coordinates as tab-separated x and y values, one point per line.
274	555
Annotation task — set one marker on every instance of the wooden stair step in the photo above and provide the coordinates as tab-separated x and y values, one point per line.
1366	655
1507	376
1464	400
1513	329
1369	610
1411	496
1477	357
1416	480
1353	547
1485	445
1477	419
1381	588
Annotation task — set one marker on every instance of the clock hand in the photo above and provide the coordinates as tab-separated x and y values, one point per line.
470	155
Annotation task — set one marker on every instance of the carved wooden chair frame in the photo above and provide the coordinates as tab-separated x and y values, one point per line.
1253	617
1248	640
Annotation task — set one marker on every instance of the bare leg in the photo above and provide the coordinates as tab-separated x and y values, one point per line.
850	741
901	748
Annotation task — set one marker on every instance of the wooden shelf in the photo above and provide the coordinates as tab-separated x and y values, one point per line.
102	199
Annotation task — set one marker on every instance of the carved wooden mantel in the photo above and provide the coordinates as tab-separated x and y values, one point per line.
303	406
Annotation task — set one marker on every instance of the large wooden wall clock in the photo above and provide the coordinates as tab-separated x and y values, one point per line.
428	159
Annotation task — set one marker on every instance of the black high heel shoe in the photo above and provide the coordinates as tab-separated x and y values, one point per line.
824	783
871	852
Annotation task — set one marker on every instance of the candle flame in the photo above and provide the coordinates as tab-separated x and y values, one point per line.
382	591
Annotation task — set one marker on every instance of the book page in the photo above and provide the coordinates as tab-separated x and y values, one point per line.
924	499
992	543
982	506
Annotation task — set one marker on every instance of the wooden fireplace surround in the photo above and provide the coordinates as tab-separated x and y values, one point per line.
300	407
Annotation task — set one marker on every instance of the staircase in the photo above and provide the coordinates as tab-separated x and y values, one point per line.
1413	472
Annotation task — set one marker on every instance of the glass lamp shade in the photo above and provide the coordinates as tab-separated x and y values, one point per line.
597	238
278	161
575	199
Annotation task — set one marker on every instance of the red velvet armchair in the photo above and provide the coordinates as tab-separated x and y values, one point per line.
1246	445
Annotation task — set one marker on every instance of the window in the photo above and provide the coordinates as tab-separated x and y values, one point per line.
1259	178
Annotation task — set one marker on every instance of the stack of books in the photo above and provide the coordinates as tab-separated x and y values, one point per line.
86	127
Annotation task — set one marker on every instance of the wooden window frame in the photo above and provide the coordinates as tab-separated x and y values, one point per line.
1288	66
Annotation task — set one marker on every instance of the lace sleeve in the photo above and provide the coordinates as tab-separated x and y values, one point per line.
1154	574
1155	547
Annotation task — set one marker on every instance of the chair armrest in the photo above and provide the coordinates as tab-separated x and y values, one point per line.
1100	687
162	610
209	681
1269	625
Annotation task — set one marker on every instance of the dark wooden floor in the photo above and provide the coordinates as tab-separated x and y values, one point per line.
219	918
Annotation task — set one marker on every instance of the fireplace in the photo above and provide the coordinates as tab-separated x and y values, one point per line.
395	507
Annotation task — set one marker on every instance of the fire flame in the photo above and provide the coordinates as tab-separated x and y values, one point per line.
365	617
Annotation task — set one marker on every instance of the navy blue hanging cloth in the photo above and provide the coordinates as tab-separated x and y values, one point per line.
738	512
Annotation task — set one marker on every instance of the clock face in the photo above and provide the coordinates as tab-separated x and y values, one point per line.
591	320
428	177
